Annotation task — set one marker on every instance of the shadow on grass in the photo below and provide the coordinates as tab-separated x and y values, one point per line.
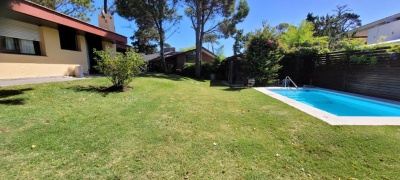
18	101
95	89
10	93
103	90
174	77
216	83
234	88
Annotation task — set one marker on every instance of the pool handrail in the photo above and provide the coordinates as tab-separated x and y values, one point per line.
288	84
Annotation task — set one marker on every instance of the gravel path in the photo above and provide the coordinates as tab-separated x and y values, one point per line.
36	80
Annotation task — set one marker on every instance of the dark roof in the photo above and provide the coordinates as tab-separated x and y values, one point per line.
235	57
203	48
156	56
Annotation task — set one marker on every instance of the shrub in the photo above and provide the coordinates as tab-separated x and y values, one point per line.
206	69
263	55
216	64
188	70
119	68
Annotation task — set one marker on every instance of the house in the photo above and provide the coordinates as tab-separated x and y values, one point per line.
176	60
388	27
36	41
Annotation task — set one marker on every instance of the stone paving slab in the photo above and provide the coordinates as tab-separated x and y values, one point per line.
35	80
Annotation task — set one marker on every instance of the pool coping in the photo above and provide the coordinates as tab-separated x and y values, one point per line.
331	118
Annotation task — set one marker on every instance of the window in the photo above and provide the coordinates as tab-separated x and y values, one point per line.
190	56
19	37
19	46
67	38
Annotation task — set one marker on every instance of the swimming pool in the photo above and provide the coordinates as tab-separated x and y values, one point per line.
338	108
340	104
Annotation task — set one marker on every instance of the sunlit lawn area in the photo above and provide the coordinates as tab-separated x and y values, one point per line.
170	127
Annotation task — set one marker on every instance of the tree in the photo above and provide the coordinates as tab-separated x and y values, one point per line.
167	45
263	55
282	28
109	8
297	37
300	41
143	40
75	8
211	39
119	68
211	16
159	14
335	26
187	48
4	5
240	41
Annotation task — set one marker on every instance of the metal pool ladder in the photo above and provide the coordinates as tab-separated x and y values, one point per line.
286	82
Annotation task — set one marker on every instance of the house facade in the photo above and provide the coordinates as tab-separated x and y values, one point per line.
176	60
36	42
179	59
388	27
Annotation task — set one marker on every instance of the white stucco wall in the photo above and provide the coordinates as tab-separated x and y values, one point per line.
390	30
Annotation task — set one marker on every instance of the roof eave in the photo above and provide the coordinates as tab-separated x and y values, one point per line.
35	10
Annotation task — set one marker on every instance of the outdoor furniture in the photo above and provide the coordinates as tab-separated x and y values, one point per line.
277	82
251	82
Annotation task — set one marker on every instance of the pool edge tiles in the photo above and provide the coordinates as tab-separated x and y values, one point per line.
331	118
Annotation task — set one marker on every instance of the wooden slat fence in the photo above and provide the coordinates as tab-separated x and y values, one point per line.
374	73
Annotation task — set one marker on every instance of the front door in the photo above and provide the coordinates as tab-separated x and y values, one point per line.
93	42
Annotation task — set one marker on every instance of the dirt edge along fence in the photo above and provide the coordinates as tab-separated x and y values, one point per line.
373	73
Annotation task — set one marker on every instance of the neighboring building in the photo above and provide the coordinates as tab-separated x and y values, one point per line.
388	27
176	60
36	41
233	70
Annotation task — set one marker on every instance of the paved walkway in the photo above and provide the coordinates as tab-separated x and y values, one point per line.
36	80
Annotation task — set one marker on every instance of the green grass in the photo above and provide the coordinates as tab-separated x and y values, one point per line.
166	127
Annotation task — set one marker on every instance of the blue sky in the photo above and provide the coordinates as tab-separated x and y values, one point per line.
274	12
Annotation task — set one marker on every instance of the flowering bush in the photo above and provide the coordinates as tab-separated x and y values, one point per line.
262	55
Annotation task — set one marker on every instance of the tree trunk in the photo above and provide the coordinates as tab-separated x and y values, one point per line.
105	6
198	40
198	58
164	64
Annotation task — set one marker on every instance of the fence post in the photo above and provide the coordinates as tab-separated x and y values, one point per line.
328	61
346	70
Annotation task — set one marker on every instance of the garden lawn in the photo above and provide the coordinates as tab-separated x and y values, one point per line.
170	127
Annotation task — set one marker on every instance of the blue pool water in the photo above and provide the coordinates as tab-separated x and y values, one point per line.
340	104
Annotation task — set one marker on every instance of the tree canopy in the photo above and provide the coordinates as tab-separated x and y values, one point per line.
159	14
335	26
301	38
79	9
240	41
187	48
143	40
212	16
211	39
